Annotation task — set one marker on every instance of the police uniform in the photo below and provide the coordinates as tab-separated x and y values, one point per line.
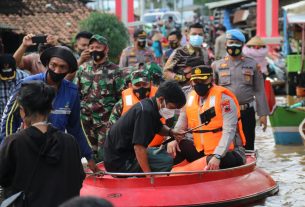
131	55
243	78
222	135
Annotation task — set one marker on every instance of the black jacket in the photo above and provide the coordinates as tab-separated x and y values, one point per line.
59	174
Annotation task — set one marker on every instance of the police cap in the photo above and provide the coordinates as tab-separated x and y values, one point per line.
201	72
235	34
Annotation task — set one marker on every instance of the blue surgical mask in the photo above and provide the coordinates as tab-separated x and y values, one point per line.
196	40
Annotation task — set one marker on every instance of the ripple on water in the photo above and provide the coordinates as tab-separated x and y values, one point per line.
286	164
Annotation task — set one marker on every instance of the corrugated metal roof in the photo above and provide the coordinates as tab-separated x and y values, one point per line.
295	12
224	3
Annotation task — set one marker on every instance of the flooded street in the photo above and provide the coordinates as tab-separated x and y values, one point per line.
286	164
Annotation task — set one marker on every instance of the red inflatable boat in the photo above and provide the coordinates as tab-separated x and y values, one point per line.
229	187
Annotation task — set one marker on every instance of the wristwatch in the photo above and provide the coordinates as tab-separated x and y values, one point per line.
217	156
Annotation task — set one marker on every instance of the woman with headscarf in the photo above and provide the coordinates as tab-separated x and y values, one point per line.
257	49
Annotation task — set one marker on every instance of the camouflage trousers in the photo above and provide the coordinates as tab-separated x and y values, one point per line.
96	135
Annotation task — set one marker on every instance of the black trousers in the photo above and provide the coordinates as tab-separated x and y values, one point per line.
188	152
231	159
249	123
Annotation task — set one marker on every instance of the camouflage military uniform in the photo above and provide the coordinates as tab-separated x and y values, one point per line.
172	69
155	73
134	78
130	56
100	88
116	112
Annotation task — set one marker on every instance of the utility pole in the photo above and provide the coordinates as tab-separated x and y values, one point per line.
142	7
182	11
175	5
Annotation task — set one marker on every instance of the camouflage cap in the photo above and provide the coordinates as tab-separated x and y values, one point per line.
153	69
98	38
139	76
201	72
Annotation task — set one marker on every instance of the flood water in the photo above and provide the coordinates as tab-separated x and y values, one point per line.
286	164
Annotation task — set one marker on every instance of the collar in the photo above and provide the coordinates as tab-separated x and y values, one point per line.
241	58
155	105
190	49
104	64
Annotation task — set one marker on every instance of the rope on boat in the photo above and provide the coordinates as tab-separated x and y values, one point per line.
252	153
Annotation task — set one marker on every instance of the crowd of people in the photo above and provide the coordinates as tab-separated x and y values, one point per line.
60	105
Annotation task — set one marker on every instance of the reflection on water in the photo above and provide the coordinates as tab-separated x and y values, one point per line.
286	164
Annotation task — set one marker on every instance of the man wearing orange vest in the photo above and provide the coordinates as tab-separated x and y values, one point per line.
139	88
221	138
126	145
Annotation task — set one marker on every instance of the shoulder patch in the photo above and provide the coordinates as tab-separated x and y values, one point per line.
225	104
223	65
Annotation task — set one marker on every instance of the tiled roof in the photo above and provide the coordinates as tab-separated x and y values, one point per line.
59	17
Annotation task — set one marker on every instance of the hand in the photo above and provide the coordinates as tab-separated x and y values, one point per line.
27	40
52	40
177	134
92	166
263	122
213	164
84	56
172	148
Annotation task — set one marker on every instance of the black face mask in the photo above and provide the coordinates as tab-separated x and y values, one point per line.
202	89
97	55
142	93
56	77
7	72
173	45
142	44
234	50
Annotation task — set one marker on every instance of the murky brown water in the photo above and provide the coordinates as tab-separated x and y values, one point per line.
286	164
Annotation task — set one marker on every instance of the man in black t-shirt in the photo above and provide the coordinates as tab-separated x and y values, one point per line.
125	147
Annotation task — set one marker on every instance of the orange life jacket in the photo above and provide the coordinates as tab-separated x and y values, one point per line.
208	141
130	99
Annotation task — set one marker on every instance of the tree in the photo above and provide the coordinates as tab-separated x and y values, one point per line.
111	28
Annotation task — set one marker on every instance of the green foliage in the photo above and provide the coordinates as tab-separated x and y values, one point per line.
110	27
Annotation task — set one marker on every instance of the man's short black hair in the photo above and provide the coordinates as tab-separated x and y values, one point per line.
172	93
177	33
221	28
83	34
196	25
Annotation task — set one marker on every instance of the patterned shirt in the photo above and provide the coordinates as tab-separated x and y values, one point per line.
116	112
100	88
8	86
